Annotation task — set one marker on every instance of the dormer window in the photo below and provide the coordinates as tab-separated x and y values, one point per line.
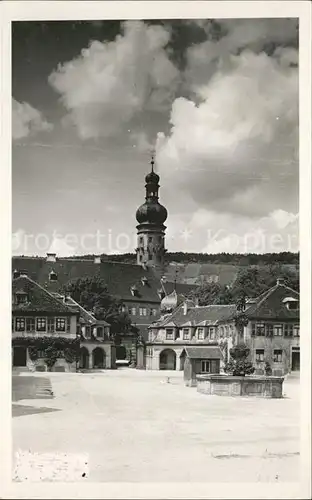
16	274
291	303
134	290
21	297
52	276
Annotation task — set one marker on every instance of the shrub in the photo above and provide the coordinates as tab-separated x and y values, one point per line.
238	364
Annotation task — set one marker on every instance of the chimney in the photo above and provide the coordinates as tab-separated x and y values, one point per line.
280	281
185	308
51	257
97	259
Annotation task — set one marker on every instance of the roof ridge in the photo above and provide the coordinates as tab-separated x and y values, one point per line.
81	307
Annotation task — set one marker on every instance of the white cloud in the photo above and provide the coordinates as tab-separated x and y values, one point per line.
27	120
236	151
111	83
212	232
61	248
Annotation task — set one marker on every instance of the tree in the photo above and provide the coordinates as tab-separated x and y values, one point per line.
92	294
238	364
211	293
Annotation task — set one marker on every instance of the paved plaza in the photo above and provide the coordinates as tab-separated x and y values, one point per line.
136	426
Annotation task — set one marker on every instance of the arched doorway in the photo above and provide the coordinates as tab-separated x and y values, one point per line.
167	360
19	356
84	358
182	359
98	358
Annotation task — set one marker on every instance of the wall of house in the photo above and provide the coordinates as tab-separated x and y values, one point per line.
138	318
38	333
268	344
224	336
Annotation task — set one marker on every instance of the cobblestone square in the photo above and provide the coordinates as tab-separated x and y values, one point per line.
148	427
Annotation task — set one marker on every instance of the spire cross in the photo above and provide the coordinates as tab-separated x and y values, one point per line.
153	161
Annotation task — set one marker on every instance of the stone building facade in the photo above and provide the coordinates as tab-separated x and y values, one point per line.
271	331
42	320
185	324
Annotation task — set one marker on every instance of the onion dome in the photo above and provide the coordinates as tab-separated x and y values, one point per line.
171	301
152	178
152	212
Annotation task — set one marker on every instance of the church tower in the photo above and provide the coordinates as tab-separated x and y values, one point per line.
151	230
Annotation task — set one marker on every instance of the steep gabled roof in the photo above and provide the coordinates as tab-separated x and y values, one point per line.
87	316
119	277
196	315
39	299
270	304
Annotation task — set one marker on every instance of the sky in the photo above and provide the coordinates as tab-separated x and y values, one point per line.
217	100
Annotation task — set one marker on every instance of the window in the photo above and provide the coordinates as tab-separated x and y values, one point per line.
51	326
253	329
212	333
201	333
20	324
68	325
269	330
221	331
60	324
141	240
41	353
260	331
277	355
296	331
132	311
169	333
100	332
259	355
52	276
293	306
186	333
21	298
30	324
205	366
278	330
41	325
88	332
142	311
150	239
288	330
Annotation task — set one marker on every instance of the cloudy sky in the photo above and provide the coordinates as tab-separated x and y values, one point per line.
217	99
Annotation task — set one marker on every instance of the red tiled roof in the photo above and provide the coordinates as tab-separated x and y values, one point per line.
270	304
39	299
119	277
196	315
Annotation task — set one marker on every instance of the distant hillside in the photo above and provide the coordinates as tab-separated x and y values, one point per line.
221	268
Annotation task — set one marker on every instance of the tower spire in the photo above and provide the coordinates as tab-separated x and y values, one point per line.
151	217
153	160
